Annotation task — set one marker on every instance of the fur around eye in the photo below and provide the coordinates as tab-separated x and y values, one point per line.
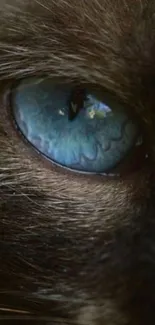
72	127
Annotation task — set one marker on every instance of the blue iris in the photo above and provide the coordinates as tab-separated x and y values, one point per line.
95	141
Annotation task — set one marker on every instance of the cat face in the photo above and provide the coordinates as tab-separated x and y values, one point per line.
77	248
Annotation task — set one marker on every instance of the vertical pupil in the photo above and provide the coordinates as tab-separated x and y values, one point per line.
76	102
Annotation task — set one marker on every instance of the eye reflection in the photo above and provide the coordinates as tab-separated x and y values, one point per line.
71	126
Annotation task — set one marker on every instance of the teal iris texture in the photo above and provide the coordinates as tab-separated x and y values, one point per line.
95	141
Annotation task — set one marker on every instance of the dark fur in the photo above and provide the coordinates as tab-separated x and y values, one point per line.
77	249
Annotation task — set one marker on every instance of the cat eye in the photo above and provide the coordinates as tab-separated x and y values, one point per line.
73	127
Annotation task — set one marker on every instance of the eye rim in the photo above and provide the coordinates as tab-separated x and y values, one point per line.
113	174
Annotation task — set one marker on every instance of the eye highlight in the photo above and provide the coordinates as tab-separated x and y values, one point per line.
71	126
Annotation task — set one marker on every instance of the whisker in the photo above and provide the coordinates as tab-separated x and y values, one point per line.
14	310
55	321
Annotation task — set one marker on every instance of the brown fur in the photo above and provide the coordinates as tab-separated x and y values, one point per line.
77	249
